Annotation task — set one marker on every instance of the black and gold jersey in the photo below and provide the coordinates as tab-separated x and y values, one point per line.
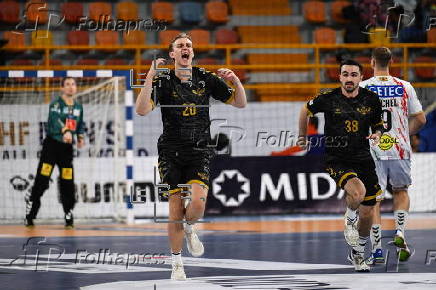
348	122
185	106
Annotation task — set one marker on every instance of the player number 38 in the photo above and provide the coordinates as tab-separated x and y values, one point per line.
351	125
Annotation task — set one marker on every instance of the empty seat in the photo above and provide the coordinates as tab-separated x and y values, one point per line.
166	36
431	35
366	63
9	12
190	12
21	62
87	61
325	35
14	39
127	11
37	11
241	73
78	37
100	11
269	34
260	7
314	11
217	12
162	11
207	60
332	73
427	73
200	36
226	36
116	61
72	11
42	38
336	11
279	58
106	38
135	37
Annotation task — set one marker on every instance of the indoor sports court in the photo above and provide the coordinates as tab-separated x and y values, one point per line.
122	139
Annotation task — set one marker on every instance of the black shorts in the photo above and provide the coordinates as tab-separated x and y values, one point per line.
343	170
184	166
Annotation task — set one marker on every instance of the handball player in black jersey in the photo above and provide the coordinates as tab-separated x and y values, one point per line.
353	118
184	146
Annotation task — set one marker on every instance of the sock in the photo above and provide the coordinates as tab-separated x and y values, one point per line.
188	228
360	248
400	219
351	214
376	237
177	257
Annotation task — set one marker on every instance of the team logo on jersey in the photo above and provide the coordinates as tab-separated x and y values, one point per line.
364	110
396	91
383	79
199	92
386	142
338	111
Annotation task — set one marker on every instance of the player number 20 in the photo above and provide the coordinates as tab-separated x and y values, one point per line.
189	111
351	126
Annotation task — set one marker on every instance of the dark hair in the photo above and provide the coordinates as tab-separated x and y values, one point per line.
67	78
350	62
178	36
382	56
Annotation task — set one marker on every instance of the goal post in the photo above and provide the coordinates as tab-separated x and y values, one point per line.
103	169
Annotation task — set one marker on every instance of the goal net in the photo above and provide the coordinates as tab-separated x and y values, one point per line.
99	167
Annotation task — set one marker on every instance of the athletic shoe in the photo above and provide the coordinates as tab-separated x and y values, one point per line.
377	257
178	272
195	246
28	222
358	262
404	252
399	240
351	232
69	221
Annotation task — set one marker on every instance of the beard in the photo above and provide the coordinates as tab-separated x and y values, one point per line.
349	89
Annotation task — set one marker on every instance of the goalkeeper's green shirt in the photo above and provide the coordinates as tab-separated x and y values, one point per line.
62	118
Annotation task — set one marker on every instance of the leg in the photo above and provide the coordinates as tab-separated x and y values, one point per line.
175	235
42	179
355	190
382	171
66	183
197	204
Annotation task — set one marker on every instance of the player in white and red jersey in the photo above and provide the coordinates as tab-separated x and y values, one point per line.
402	116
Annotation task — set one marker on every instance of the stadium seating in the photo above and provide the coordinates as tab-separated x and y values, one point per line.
278	58
21	62
166	36
14	39
365	61
260	7
9	12
431	35
116	61
87	61
72	11
336	11
217	12
127	10
135	37
226	36
37	11
324	35
425	73
100	11
200	36
379	36
206	61
241	73
332	74
191	13
269	34
78	37
42	38
162	11
106	38
396	71
314	11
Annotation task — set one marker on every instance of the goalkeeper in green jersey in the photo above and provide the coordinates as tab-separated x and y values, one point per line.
65	120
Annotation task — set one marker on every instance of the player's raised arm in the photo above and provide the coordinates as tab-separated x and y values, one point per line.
144	104
240	99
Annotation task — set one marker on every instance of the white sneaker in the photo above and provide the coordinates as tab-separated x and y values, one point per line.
195	246
358	262
178	272
351	232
